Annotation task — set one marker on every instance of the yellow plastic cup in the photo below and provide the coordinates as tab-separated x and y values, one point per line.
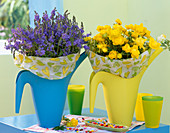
139	106
152	106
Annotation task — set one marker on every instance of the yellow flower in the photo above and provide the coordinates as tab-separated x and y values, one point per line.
135	47
135	53
147	33
118	27
98	38
140	29
87	39
154	44
114	33
119	55
118	21
100	46
126	48
104	49
140	41
74	122
129	26
112	54
103	31
135	34
107	27
99	28
118	40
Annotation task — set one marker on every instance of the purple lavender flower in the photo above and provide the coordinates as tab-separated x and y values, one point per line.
54	36
36	17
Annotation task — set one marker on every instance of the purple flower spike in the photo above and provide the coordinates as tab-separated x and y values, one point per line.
36	17
54	36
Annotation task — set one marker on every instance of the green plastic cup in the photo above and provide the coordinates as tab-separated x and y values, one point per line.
152	106
75	98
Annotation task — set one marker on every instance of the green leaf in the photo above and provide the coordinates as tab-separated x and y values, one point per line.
107	65
40	63
70	57
39	74
58	74
50	64
56	68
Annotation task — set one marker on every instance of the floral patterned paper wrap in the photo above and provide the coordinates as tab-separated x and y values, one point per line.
126	68
49	68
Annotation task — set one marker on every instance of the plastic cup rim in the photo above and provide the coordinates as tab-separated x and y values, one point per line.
152	98
76	87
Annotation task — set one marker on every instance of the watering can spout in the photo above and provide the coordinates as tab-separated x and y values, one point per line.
153	56
21	80
79	61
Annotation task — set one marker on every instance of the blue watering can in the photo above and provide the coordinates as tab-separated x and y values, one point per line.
48	95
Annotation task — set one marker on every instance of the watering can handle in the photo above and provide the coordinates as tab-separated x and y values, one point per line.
23	77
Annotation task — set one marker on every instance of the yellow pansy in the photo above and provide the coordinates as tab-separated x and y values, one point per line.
118	40
126	48
99	28
119	55
135	53
118	21
87	39
154	44
140	41
112	54
103	31
104	49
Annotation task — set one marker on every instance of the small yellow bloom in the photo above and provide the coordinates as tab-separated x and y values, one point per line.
74	122
118	40
154	44
104	49
99	28
118	27
135	47
107	27
147	33
119	55
118	21
98	38
135	53
140	42
100	46
87	39
126	48
129	26
112	54
114	33
135	34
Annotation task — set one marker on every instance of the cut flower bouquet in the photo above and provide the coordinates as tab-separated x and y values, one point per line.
50	49
122	51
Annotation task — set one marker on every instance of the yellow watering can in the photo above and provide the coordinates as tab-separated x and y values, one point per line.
120	93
